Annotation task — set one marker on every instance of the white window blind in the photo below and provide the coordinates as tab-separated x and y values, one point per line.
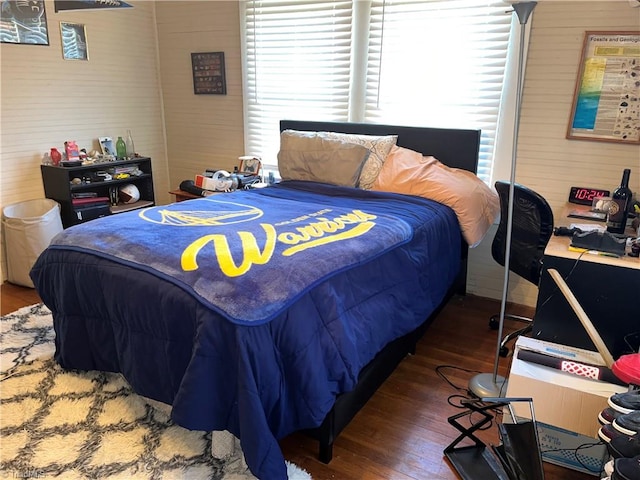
297	66
438	63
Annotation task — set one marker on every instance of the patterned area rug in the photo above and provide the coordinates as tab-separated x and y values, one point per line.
90	425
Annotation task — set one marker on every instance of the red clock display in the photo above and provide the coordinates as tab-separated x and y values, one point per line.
586	195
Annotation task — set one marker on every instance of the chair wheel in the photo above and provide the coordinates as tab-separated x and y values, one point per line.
504	351
494	323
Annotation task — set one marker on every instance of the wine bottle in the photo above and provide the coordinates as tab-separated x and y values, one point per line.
621	198
131	150
121	148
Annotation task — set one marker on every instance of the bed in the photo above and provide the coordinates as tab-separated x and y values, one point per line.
223	329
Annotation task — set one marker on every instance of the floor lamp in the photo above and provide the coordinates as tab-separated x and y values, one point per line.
491	384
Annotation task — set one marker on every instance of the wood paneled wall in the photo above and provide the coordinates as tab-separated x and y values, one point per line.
139	77
546	161
203	131
47	100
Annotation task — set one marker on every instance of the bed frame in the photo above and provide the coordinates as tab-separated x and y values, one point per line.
454	147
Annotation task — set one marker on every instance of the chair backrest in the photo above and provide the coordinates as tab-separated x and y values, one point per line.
531	230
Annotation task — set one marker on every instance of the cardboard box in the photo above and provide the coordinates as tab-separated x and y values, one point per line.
562	400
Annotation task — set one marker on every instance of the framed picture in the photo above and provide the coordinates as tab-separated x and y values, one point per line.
250	165
208	73
62	5
23	22
606	101
74	41
107	146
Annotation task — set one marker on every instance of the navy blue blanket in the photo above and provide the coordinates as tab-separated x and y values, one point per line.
242	246
262	380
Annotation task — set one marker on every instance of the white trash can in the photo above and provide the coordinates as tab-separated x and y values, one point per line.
28	229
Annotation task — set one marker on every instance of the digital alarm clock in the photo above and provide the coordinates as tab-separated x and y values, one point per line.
586	195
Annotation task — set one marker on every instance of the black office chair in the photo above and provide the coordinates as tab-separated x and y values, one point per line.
532	226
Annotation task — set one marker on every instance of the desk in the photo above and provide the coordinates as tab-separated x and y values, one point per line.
607	288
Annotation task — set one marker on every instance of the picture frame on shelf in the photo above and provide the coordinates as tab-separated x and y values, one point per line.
606	98
250	164
208	73
107	146
74	41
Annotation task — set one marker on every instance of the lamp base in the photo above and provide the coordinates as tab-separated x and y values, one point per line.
485	385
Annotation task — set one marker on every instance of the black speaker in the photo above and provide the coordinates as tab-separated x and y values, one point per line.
189	186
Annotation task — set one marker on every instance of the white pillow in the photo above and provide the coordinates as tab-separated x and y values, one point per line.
312	156
379	146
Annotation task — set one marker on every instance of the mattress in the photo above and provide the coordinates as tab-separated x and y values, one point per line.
261	377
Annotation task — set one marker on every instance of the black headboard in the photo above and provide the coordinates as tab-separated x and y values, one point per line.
456	148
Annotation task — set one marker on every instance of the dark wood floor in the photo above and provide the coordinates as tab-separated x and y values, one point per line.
401	432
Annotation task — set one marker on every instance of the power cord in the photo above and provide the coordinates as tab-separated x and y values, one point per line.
460	400
439	372
574	452
566	278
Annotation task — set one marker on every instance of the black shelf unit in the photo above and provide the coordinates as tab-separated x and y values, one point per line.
59	186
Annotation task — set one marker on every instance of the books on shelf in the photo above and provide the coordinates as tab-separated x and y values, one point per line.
89	200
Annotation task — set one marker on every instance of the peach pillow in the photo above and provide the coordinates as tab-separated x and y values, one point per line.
475	204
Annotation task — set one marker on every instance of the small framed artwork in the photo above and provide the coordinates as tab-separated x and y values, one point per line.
208	73
74	41
24	22
250	164
107	146
606	100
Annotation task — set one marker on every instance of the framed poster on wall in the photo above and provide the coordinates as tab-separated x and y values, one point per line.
74	41
23	22
208	73
606	101
62	5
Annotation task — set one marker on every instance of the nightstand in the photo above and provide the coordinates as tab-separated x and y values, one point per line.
181	195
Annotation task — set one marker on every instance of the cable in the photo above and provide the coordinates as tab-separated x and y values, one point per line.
462	398
575	451
457	400
444	377
557	289
636	337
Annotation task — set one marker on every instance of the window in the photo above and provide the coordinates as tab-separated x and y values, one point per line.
438	63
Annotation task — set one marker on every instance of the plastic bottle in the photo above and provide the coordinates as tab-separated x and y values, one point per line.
121	148
131	150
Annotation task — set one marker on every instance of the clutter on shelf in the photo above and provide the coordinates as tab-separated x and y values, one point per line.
72	155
